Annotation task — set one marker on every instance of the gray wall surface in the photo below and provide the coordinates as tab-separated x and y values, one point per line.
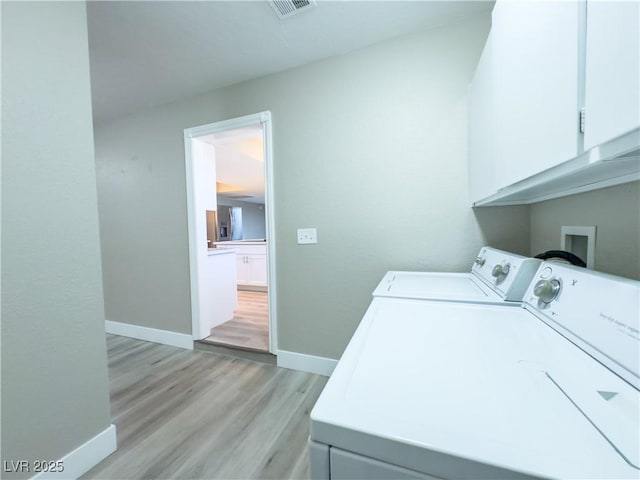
55	393
369	147
615	211
253	217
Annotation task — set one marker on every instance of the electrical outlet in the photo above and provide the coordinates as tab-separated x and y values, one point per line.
307	236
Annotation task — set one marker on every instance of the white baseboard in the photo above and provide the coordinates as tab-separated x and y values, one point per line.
306	363
165	337
85	457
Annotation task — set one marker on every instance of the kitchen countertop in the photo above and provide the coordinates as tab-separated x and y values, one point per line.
219	251
243	242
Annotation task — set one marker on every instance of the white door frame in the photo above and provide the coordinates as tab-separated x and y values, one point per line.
263	118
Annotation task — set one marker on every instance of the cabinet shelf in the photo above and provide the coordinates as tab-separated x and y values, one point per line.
613	163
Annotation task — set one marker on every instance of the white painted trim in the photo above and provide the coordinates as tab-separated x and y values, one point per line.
231	124
79	461
191	232
263	118
271	234
148	334
306	363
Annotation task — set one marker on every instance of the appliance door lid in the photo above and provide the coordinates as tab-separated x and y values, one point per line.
458	287
464	381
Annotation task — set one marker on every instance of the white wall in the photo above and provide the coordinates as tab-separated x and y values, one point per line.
369	147
55	390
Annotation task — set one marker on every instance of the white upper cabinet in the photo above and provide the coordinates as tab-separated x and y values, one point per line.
542	63
612	102
523	100
483	179
535	54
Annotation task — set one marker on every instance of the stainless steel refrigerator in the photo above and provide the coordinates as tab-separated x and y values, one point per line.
230	226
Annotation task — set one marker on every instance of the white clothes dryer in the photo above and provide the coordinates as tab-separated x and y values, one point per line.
496	277
455	390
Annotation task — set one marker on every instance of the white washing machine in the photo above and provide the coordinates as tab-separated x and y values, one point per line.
429	389
496	277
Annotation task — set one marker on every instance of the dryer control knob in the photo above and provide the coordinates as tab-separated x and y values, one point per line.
480	261
501	270
547	290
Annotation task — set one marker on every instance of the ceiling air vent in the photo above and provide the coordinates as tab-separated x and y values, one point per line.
288	8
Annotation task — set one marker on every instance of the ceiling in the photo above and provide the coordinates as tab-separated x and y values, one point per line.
239	163
146	53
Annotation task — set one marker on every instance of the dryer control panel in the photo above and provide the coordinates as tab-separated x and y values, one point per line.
600	313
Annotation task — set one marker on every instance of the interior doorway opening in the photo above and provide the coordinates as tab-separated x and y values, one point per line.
229	186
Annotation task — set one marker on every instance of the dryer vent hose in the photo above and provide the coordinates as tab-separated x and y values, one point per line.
561	256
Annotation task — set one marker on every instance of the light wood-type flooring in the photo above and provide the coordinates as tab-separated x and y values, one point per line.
188	414
249	328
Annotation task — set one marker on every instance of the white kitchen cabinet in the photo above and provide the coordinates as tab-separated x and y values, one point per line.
612	83
241	269
252	269
256	270
219	296
251	262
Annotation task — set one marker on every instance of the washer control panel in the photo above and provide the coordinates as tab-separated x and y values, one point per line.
506	273
599	313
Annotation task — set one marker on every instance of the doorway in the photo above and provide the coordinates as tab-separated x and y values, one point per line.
238	217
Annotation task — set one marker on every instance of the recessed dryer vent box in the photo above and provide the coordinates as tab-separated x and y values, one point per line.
580	241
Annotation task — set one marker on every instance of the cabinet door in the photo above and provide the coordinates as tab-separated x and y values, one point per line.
482	167
257	266
242	269
612	101
535	82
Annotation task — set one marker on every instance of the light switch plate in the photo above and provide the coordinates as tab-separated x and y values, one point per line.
307	236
